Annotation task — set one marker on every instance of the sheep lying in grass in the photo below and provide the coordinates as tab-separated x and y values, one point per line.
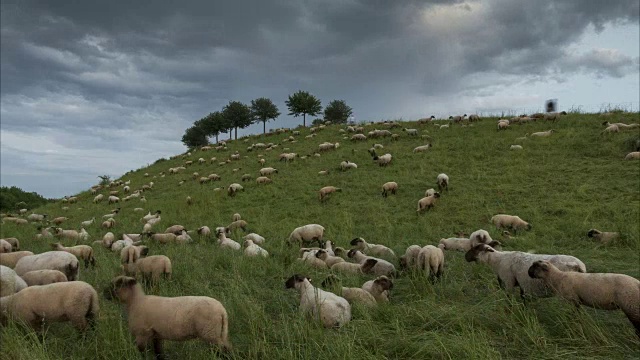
224	241
604	237
53	260
456	244
329	259
611	129
408	260
381	267
379	288
431	261
10	282
346	165
352	295
510	221
371	249
74	301
421	148
331	309
161	238
363	268
252	249
84	252
204	231
237	224
307	234
325	191
605	291
66	234
516	147
542	133
512	267
11	259
633	155
43	277
255	238
427	202
152	319
389	187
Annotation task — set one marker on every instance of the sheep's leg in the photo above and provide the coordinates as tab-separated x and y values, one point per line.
157	348
142	342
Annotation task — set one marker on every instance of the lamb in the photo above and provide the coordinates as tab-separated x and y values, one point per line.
11	259
542	133
515	147
268	171
224	241
510	221
372	249
43	277
255	238
429	192
88	222
113	199
109	223
410	257
381	267
329	259
459	244
607	291
252	249
325	191
152	319
422	148
443	182
204	231
389	187
74	301
604	237
84	252
431	261
307	233
427	202
5	247
346	165
633	155
352	295
52	260
183	238
233	189
511	267
379	288
10	282
332	310
238	224
136	262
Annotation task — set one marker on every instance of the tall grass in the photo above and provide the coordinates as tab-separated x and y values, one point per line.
564	185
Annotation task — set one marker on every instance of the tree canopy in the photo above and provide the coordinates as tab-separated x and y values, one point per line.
303	103
263	109
194	137
13	198
337	112
238	115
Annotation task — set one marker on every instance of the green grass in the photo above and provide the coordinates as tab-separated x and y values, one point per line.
563	185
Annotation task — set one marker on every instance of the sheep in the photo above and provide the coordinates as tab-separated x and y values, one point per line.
431	261
427	202
331	309
346	165
183	237
204	231
379	288
224	241
383	160
174	229
108	239
5	247
150	216
238	224
154	221
457	118
59	220
113	199
480	237
10	282
53	260
66	234
84	252
108	224
162	238
11	259
252	249
503	125
308	256
307	233
352	295
389	187
510	221
329	259
152	319
371	249
74	301
511	267
214	177
21	222
381	267
553	116
542	133
325	191
611	129
268	171
443	182
255	238
83	235
43	277
515	147
411	132
426	120
604	237
245	177
263	180
189	200
422	148
88	222
459	244
43	234
236	217
429	192
233	189
473	117
358	137
607	291
410	257
635	155
36	217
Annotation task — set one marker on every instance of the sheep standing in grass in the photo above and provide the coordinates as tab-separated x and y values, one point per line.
443	182
605	291
234	188
410	257
431	261
74	301
152	319
389	187
371	249
633	155
43	277
383	160
352	295
427	202
510	221
84	252
379	288
53	260
604	237
325	191
421	148
346	165
268	171
11	259
307	234
331	309
459	244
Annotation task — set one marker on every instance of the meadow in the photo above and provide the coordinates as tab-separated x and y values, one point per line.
563	185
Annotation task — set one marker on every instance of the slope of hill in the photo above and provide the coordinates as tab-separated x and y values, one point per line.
563	185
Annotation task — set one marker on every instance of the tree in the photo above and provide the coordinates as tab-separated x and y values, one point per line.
303	103
212	124
194	137
263	109
104	179
14	198
238	115
337	112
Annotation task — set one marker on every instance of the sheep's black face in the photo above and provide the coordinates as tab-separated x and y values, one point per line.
293	280
368	265
591	233
528	226
144	251
472	255
384	283
351	253
537	268
355	241
319	253
403	262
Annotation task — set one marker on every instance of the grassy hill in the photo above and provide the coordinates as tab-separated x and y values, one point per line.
563	185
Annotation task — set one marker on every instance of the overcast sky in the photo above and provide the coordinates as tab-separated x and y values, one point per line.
102	87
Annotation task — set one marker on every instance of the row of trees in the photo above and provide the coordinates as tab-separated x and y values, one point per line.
14	198
238	115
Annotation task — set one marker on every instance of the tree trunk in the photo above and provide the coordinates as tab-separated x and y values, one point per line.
264	127
230	134
216	138
236	133
304	119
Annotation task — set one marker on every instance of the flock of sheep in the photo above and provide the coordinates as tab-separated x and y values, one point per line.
27	278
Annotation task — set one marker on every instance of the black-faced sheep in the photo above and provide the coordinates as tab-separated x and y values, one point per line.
11	259
352	295
381	267
427	202
379	288
84	252
431	261
389	187
372	249
325	191
331	309
604	237
307	234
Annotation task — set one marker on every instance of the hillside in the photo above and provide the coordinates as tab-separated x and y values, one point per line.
563	185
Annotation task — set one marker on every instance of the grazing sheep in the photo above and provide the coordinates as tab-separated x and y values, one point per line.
371	249
607	291
109	223
152	319
204	231
431	261
542	133
255	238
457	118
268	171
183	238
480	237
88	222
427	202
83	235
411	132
352	295
189	200
510	221
161	238
43	277
10	282
246	177
173	229
236	217
233	189
459	244
52	260
329	259
263	180
379	288
553	116
611	129
381	267
512	267
604	237
515	147
473	118
389	187
331	309
410	257
430	192
74	301
307	233
59	220
503	125
358	137
238	224
422	148
36	217
113	199
11	259
633	155
84	252
443	182
252	249
5	247
325	191
346	165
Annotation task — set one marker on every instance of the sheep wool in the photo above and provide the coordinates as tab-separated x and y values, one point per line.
10	282
11	259
62	261
43	277
330	309
431	261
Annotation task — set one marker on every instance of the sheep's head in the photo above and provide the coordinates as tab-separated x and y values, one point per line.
294	280
473	254
357	241
384	282
119	288
368	265
339	251
331	280
321	254
539	268
352	253
593	232
247	243
403	262
144	251
436	195
528	226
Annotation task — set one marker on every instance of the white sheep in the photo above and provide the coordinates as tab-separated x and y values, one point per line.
352	295
84	252
635	155
515	147
328	258
233	189
268	171
346	165
443	182
62	261
458	244
510	221
604	237
383	160
307	233
11	259
325	191
389	187
379	288
252	249
10	282
381	267
371	249
224	241
204	231
255	238
152	319
43	277
5	247
410	257
427	202
421	148
331	309
431	261
411	132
